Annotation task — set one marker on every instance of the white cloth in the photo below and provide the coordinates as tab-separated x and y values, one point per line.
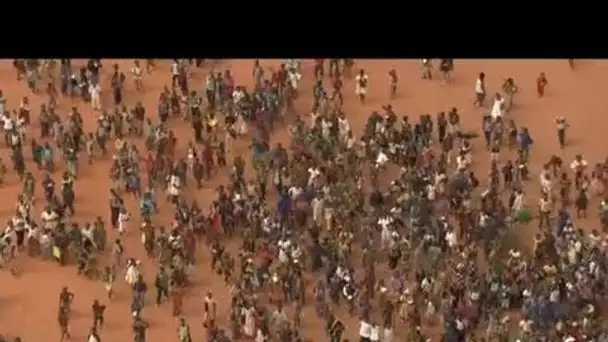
497	108
365	329
131	275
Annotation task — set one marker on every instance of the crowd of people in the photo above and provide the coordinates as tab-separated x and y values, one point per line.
419	257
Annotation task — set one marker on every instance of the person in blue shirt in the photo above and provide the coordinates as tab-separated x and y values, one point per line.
284	205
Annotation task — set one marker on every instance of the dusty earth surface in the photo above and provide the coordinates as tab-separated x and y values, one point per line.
28	302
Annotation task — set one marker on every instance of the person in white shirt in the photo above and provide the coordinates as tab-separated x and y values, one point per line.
545	183
123	219
381	159
294	78
480	90
49	218
174	72
237	95
365	331
295	191
313	173
578	164
132	273
375	333
8	124
137	73
427	68
343	127
95	92
497	106
518	201
461	161
385	235
174	188
387	334
451	239
361	85
92	337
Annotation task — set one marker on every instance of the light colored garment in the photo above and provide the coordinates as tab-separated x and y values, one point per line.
249	327
131	275
241	125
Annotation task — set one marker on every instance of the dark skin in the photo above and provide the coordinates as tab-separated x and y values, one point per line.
393	79
541	83
98	311
65	298
63	320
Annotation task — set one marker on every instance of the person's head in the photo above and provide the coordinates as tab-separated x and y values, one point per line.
482	76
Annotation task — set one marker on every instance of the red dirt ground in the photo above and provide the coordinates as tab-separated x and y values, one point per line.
28	302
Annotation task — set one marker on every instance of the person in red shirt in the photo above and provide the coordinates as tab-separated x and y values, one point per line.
541	83
148	165
281	77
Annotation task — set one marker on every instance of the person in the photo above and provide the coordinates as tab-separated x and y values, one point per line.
361	87
64	321
365	331
95	94
137	73
427	69
210	308
541	84
176	300
392	76
480	90
184	331
108	278
161	283
561	126
93	335
65	299
123	219
498	106
98	314
446	65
